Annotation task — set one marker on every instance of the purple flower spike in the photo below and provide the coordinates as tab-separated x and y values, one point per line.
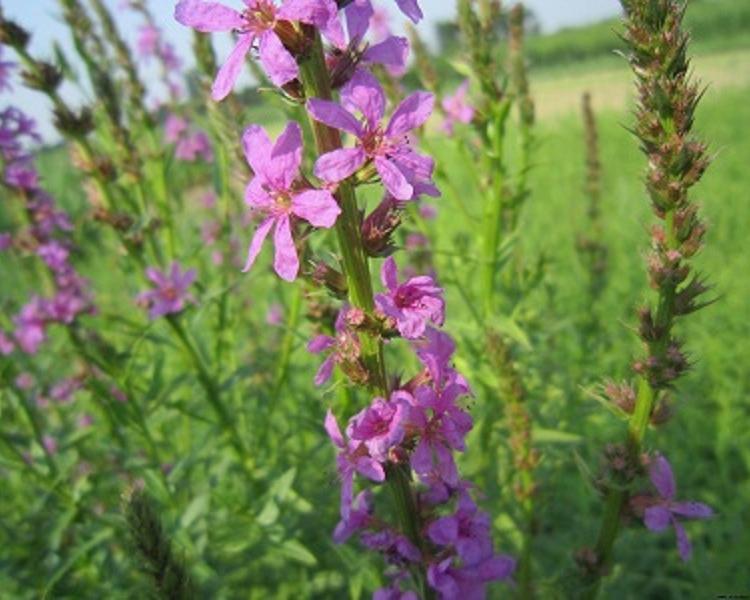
276	193
256	26
404	172
170	292
665	511
412	303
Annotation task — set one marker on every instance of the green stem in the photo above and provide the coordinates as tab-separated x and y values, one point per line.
213	393
316	83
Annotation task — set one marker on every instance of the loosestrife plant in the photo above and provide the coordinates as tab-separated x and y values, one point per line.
440	542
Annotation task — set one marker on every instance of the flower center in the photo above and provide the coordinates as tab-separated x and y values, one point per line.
260	17
374	142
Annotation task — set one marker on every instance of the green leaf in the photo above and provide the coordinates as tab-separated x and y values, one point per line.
195	510
554	436
294	550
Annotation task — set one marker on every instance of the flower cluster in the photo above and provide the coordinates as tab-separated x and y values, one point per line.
408	436
419	428
47	235
190	144
170	292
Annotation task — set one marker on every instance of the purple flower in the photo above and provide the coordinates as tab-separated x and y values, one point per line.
22	174
389	51
353	458
396	547
457	108
381	426
469	582
54	254
148	40
412	303
194	146
50	444
394	593
277	193
30	330
442	427
257	23
6	241
344	347
175	128
409	7
170	292
359	517
435	353
404	172
665	511
25	381
275	315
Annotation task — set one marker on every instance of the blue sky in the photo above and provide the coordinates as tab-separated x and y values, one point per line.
41	17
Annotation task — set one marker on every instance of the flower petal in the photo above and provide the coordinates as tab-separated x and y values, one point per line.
393	51
662	477
256	197
317	207
338	165
389	274
334	115
320	343
257	146
332	429
207	16
325	371
358	15
443	531
286	157
278	64
285	261
411	9
684	546
692	510
393	179
411	113
364	93
657	518
230	70
257	243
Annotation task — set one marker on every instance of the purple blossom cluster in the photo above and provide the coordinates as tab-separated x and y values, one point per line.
190	144
419	427
47	235
415	427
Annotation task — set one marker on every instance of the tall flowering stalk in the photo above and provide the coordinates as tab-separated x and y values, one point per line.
405	439
667	99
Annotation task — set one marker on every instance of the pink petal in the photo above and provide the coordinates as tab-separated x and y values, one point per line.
684	546
363	93
497	568
393	179
389	274
207	16
285	262
370	468
338	165
657	518
358	17
325	371
316	12
257	243
230	70
278	64
692	510
332	429
392	51
411	9
411	113
317	207
256	197
286	157
258	147
443	531
320	343
334	115
662	477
